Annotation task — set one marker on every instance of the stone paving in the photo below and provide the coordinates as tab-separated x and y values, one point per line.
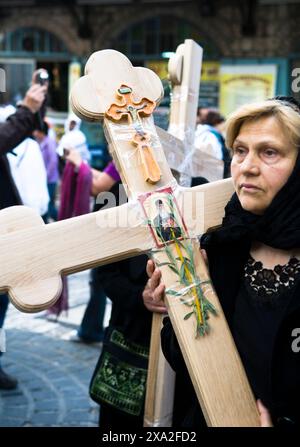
53	372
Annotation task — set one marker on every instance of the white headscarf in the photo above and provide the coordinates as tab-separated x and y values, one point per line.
74	139
76	119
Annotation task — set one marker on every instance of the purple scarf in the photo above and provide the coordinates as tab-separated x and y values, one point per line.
74	201
75	191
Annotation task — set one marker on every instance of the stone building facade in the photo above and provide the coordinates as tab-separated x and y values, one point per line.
230	31
277	24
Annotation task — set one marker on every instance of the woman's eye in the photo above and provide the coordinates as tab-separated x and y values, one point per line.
270	153
239	151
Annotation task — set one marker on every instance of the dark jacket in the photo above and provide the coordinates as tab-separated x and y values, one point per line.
18	126
123	283
285	365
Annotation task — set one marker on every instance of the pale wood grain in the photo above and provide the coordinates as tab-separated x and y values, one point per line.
34	257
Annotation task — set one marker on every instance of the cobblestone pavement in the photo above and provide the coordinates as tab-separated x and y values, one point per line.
53	372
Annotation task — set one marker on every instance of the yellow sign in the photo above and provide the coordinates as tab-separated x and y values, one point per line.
160	67
74	74
210	71
242	84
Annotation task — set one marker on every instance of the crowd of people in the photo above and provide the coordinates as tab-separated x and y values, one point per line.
257	279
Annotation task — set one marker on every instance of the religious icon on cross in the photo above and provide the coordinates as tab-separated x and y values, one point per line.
164	218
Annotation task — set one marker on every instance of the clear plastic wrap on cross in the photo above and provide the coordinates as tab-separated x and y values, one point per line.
161	219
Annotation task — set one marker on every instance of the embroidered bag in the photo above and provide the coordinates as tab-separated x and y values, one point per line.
120	375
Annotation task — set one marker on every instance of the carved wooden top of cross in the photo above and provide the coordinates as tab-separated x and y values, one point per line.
127	124
133	111
33	255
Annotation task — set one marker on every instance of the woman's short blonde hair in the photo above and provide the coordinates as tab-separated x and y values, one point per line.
286	115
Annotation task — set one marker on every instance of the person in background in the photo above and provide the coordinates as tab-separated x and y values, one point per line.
13	131
30	176
74	138
24	160
208	137
216	126
48	149
201	114
51	128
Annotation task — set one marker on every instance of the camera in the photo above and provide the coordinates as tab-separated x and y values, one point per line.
42	76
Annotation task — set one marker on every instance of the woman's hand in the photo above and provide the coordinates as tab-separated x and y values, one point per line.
73	156
154	291
265	417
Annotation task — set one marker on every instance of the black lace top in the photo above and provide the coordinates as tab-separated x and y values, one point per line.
260	305
266	286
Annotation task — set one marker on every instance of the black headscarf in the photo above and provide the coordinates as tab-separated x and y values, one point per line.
278	227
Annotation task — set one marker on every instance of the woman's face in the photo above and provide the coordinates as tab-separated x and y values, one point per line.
263	159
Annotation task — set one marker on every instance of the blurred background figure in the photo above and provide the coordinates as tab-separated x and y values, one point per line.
205	138
209	137
51	129
28	171
29	174
74	138
50	157
201	114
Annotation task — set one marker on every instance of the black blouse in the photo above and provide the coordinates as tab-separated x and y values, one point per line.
262	300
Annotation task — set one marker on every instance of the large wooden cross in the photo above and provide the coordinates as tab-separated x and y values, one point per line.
33	255
184	70
185	162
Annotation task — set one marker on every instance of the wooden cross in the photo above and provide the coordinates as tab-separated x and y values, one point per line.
33	255
185	161
184	73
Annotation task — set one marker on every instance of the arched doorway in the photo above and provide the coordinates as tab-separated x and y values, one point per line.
25	49
150	42
152	38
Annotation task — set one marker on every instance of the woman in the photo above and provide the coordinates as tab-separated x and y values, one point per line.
254	259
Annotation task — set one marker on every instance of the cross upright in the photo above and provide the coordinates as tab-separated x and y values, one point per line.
33	255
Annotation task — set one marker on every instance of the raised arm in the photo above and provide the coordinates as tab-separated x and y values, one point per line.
21	124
